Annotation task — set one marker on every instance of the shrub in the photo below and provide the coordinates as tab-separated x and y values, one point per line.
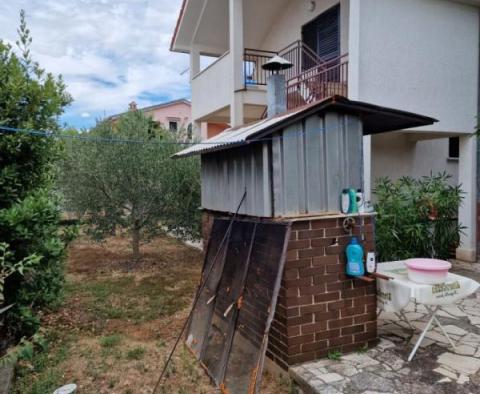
417	217
29	213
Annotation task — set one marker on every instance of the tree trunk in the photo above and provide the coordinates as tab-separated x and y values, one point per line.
136	243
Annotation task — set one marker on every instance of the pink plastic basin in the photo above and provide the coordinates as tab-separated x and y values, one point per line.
427	271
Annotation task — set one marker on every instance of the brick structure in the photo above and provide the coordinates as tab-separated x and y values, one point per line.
319	308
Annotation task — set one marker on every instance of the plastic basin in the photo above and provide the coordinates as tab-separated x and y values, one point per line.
427	271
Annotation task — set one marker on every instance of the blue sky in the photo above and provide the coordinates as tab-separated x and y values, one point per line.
109	52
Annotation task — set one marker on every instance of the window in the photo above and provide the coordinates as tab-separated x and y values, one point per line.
173	126
454	147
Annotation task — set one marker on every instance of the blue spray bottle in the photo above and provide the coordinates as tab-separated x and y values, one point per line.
354	253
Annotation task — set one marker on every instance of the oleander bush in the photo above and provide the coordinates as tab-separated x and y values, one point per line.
417	217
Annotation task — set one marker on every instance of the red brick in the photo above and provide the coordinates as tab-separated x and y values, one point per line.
299	263
293	312
304	272
365	336
292	292
353	329
292	255
327	297
304	253
319	279
322	242
294	331
297	301
312	290
327	334
296	282
340	341
314	327
324	223
321	316
290	273
356	310
313	308
338	323
301	244
314	346
308	234
333	306
293	235
334	250
334	232
301	225
365	318
301	339
302	319
331	268
322	260
351	293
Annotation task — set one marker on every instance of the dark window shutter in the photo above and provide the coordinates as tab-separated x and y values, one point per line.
323	34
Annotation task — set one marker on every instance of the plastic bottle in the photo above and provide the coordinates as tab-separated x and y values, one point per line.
354	253
360	200
353	201
345	201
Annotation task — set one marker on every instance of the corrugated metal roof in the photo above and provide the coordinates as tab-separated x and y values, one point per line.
234	136
376	119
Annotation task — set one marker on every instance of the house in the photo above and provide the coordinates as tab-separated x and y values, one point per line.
414	55
173	115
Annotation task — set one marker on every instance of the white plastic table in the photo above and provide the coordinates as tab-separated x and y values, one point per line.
395	294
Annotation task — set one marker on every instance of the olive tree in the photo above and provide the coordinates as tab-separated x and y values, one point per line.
121	175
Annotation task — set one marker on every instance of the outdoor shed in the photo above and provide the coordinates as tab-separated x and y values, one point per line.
293	168
295	163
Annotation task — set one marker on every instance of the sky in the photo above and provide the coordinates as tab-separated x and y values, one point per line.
109	52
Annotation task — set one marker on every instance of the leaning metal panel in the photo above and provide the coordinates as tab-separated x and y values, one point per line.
245	363
215	255
229	291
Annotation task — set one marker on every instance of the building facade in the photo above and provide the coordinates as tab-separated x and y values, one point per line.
415	55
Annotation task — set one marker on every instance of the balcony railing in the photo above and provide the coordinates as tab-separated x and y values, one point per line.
310	79
318	83
298	53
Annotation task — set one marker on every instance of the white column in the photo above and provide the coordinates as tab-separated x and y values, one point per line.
236	57
194	61
367	167
467	214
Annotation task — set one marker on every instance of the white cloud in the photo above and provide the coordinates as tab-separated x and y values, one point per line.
85	115
109	52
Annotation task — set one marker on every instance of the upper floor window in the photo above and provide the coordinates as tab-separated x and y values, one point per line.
173	126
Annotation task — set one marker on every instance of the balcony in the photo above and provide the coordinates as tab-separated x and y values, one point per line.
310	79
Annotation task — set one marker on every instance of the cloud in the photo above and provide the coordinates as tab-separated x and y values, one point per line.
109	52
84	115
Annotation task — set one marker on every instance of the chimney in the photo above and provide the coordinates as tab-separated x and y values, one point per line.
132	106
276	96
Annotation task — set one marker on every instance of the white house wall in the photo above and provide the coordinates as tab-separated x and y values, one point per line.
396	155
288	27
420	56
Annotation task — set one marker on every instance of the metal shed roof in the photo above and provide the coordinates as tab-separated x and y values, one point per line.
376	119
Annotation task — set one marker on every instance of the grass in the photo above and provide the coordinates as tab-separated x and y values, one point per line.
118	322
334	355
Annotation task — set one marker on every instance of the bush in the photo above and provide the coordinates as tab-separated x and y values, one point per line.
29	210
417	217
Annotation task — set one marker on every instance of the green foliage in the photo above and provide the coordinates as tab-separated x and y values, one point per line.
417	217
110	341
29	214
134	184
334	355
136	353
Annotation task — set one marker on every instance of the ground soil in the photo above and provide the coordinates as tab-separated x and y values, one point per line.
119	320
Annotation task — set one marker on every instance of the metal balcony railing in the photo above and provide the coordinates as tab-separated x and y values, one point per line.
318	83
310	79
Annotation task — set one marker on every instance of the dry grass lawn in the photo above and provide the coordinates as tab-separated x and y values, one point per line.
118	322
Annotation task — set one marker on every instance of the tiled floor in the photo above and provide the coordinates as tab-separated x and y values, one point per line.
436	368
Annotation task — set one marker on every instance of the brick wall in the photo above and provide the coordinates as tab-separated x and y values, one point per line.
319	308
